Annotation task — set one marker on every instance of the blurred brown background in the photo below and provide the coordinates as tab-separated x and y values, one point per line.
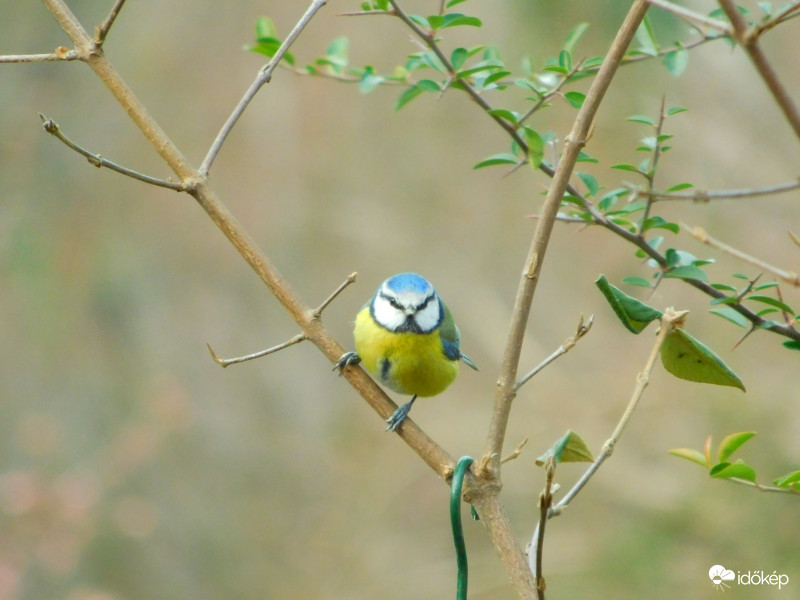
132	467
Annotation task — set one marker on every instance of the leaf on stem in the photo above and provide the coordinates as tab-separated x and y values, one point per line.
568	448
686	358
634	314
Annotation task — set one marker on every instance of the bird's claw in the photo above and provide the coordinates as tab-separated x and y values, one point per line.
347	359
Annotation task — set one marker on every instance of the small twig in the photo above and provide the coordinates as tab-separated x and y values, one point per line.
553	92
762	488
52	128
582	329
545	502
101	31
789	12
794	237
707	195
650	174
350	279
692	17
669	320
700	234
264	76
514	453
365	13
224	362
749	41
61	53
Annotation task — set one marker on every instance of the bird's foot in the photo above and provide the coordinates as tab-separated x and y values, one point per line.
347	359
399	415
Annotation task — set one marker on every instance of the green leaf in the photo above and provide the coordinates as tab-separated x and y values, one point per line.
265	29
678	187
730	315
656	222
692	455
337	51
765	286
738	469
420	20
626	167
792	344
497	159
565	60
637	281
676	61
575	98
790	480
369	81
634	314
771	302
496	76
574	36
505	114
732	443
535	147
458	57
687	358
585	158
454	2
590	181
428	85
676	110
646	38
686	272
568	448
457	20
407	97
641	119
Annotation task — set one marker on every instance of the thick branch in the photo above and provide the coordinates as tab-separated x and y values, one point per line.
574	142
750	43
430	452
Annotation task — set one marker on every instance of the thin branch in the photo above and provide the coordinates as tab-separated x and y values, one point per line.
749	41
101	31
701	235
350	279
545	502
789	12
574	142
426	448
225	362
514	453
52	128
692	17
762	488
708	195
552	93
650	172
264	76
430	42
582	330
668	322
61	53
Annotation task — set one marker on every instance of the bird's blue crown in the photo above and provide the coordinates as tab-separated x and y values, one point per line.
409	282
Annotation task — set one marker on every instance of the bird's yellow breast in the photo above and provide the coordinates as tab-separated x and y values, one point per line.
408	363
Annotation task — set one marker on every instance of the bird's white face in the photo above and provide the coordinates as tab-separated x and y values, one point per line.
407	309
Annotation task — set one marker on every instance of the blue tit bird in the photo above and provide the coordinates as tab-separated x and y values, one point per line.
407	339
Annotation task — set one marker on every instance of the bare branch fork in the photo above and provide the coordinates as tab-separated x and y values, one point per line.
300	337
197	186
669	320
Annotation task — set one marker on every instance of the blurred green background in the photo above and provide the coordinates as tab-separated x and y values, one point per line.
133	467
